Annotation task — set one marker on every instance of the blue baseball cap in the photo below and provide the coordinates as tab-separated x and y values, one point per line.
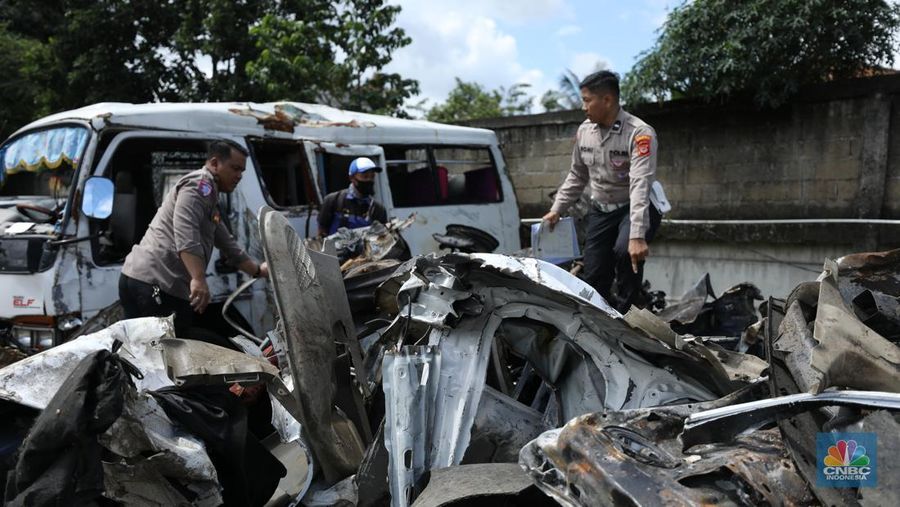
363	164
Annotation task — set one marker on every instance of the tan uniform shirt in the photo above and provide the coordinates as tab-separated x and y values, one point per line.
187	221
620	164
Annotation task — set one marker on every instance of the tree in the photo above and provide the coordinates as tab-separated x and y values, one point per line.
516	99
333	56
467	101
69	53
214	36
82	52
17	97
767	48
293	62
470	101
568	94
366	40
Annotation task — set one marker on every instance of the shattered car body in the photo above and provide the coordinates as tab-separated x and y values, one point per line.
757	445
480	352
149	459
492	378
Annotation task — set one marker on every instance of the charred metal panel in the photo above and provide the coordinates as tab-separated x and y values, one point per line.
636	458
309	334
846	346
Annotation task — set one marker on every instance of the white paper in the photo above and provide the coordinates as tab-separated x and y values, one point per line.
658	198
558	245
19	227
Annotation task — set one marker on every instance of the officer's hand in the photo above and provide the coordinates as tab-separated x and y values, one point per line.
199	294
264	270
551	218
638	250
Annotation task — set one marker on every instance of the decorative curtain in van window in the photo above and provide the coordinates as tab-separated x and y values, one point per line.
46	149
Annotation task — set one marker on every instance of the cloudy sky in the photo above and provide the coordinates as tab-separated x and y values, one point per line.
503	42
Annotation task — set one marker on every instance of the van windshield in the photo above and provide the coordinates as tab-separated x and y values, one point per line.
42	163
36	171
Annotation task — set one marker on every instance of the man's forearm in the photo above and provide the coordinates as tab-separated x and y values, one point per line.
249	266
195	265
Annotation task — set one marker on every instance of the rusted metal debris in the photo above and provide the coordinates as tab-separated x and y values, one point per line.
285	116
757	445
471	377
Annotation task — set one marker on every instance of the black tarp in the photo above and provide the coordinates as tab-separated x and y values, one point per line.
247	471
59	462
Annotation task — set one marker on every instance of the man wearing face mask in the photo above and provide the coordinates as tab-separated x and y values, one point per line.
354	206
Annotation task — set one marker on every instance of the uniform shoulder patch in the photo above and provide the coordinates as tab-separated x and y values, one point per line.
642	143
204	187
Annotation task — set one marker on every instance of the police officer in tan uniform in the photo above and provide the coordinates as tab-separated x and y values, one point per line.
166	272
614	153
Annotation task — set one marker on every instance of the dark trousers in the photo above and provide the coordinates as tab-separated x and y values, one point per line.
138	301
606	255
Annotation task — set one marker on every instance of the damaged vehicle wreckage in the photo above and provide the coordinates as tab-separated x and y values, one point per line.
81	187
467	379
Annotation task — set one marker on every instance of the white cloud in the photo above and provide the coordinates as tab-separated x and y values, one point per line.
464	40
583	64
568	30
519	11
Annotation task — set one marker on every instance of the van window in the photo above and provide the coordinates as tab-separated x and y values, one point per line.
335	170
441	175
143	171
284	171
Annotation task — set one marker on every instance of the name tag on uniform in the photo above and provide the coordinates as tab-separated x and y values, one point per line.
619	158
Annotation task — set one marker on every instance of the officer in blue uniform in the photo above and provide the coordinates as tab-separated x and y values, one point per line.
354	206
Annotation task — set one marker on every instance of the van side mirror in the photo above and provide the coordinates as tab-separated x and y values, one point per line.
97	201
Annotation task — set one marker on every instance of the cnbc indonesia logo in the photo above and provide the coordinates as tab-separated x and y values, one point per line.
848	462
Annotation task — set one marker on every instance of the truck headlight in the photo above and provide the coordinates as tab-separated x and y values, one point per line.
44	338
23	337
35	333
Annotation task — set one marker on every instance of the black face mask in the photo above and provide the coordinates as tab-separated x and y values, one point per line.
366	187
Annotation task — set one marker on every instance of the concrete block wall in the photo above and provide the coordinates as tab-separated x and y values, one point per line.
833	153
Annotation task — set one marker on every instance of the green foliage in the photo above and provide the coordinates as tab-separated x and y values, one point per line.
62	54
467	101
82	52
567	96
291	62
16	95
768	48
516	99
366	42
470	101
